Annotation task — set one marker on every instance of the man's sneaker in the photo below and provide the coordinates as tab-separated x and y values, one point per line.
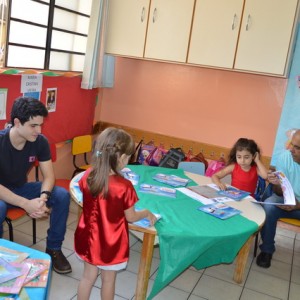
59	262
264	260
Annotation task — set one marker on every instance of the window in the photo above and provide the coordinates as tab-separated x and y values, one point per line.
46	34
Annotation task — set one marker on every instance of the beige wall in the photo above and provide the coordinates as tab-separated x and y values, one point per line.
207	105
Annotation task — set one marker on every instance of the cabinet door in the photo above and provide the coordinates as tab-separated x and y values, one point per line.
215	32
265	36
126	28
169	29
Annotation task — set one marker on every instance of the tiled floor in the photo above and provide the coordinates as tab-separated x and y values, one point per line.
280	281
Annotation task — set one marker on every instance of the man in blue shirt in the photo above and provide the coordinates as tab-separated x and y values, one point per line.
288	163
20	145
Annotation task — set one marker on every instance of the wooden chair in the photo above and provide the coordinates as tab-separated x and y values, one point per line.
192	167
81	145
14	214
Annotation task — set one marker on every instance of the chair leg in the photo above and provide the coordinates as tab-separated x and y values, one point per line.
10	229
34	231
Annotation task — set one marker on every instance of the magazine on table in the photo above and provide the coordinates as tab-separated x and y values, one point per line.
172	180
133	177
7	271
11	255
234	193
37	266
206	194
40	279
14	285
219	210
145	223
287	190
157	190
21	296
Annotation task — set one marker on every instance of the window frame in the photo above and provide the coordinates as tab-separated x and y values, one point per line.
50	28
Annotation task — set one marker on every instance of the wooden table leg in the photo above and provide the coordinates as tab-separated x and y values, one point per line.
145	266
242	260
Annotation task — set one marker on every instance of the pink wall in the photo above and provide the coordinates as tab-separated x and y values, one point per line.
207	105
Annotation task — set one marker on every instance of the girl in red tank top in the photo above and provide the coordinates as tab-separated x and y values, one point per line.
244	165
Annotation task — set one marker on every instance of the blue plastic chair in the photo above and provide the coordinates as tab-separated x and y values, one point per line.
192	167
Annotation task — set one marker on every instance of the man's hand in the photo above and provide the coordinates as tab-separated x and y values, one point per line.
290	207
272	178
36	208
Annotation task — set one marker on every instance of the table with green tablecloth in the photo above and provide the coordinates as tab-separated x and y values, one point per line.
188	237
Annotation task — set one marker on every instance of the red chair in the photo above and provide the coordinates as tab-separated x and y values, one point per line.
15	214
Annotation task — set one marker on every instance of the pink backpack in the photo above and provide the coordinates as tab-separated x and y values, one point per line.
214	166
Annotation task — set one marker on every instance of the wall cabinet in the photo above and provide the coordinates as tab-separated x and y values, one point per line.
126	27
215	32
265	36
169	29
244	35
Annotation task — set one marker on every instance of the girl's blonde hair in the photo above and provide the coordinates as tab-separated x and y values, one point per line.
109	147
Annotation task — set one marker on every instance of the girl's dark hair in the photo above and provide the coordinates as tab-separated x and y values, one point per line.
110	145
242	144
25	108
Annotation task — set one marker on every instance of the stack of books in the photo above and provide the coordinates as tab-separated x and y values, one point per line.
18	271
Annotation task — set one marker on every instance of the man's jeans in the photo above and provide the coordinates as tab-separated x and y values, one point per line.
273	213
59	203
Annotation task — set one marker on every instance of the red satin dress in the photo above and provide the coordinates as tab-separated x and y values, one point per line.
102	236
243	180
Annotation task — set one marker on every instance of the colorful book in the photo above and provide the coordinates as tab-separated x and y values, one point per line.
41	279
234	193
21	296
172	180
157	190
11	255
37	266
7	271
14	285
219	210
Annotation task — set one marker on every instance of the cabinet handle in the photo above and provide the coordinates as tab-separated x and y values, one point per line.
248	22
154	15
233	22
143	15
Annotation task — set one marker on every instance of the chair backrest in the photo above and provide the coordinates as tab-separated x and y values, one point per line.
81	144
192	167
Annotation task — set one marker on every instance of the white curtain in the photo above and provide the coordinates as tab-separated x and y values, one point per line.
98	70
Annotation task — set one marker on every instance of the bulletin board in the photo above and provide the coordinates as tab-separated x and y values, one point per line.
74	111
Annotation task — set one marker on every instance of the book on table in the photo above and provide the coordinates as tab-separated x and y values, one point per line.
172	180
233	193
145	223
157	190
219	210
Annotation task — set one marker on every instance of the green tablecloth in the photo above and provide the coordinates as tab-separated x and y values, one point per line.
188	236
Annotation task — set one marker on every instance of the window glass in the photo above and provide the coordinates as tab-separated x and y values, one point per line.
81	6
68	41
18	33
70	21
22	57
27	10
66	61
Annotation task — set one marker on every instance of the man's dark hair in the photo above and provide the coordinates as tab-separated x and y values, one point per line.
25	108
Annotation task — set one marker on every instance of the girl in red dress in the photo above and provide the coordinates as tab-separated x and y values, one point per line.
102	237
244	165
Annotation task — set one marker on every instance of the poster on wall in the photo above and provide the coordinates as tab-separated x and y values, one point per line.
3	100
51	99
35	95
